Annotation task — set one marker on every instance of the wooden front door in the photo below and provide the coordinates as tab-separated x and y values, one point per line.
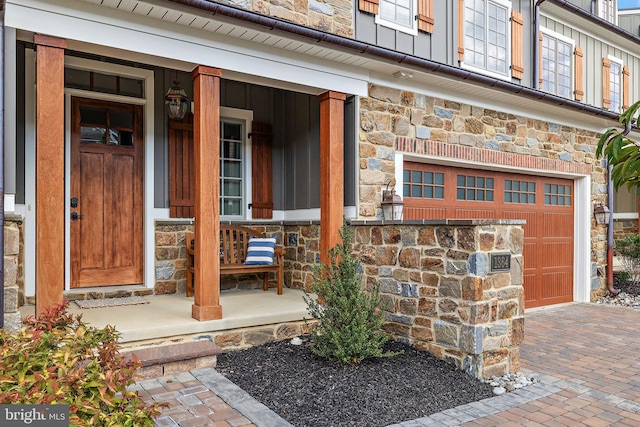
106	193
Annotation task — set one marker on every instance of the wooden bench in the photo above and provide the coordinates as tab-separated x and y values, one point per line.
234	240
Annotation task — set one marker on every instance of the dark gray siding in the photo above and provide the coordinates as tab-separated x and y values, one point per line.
442	45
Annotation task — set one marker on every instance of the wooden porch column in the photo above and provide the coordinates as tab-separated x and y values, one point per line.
331	170
206	145
49	170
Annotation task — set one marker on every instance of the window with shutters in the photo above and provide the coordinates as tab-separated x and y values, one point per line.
236	162
607	10
557	64
487	37
399	15
615	84
232	167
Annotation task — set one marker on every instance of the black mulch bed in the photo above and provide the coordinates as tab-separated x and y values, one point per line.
630	287
309	391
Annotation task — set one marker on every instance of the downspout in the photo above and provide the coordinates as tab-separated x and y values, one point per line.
610	288
536	44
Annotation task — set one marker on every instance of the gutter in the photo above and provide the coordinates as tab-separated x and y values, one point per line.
593	17
391	56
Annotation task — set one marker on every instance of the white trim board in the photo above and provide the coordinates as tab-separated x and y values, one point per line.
89	23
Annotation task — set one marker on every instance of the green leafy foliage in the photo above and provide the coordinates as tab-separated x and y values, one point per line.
621	152
349	318
57	359
628	249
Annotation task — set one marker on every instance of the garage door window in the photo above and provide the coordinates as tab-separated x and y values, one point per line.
519	192
425	185
476	188
557	195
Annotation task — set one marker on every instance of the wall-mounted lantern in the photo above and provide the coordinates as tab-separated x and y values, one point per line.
177	101
602	214
392	204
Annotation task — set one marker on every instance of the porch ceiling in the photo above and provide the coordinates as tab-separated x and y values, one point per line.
224	26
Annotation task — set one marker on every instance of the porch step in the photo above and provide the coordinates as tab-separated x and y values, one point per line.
175	358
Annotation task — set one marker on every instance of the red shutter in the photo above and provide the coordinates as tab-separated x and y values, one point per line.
625	87
181	172
261	170
606	83
369	6
460	30
425	15
517	52
577	78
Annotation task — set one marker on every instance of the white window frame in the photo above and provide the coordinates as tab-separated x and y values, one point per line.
246	116
413	29
572	43
471	67
620	63
605	10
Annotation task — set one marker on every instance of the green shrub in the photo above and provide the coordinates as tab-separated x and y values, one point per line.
628	249
349	319
57	359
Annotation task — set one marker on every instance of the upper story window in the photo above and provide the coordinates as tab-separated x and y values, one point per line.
607	10
398	14
487	38
557	58
615	84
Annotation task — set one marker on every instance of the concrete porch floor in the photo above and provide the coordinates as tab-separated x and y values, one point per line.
169	316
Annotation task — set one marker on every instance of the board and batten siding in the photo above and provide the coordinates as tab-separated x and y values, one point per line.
294	118
441	45
593	52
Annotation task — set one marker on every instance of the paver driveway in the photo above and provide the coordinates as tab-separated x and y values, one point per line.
585	356
591	354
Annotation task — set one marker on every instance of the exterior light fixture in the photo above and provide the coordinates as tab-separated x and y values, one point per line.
402	75
392	204
176	101
602	214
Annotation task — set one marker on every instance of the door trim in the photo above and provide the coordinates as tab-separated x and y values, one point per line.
148	220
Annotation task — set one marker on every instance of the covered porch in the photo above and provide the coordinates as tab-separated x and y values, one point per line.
55	205
252	317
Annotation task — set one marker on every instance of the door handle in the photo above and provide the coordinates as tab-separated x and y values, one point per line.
75	216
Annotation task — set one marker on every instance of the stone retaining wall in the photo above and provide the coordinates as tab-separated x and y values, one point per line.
440	293
434	277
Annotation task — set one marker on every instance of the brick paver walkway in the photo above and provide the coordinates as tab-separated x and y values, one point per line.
585	356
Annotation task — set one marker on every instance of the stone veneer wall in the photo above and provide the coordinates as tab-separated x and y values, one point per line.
440	293
332	16
433	275
12	275
299	239
396	121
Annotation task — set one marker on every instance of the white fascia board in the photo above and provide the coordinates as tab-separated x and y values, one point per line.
98	25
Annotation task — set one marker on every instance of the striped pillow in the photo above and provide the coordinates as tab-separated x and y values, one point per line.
260	251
